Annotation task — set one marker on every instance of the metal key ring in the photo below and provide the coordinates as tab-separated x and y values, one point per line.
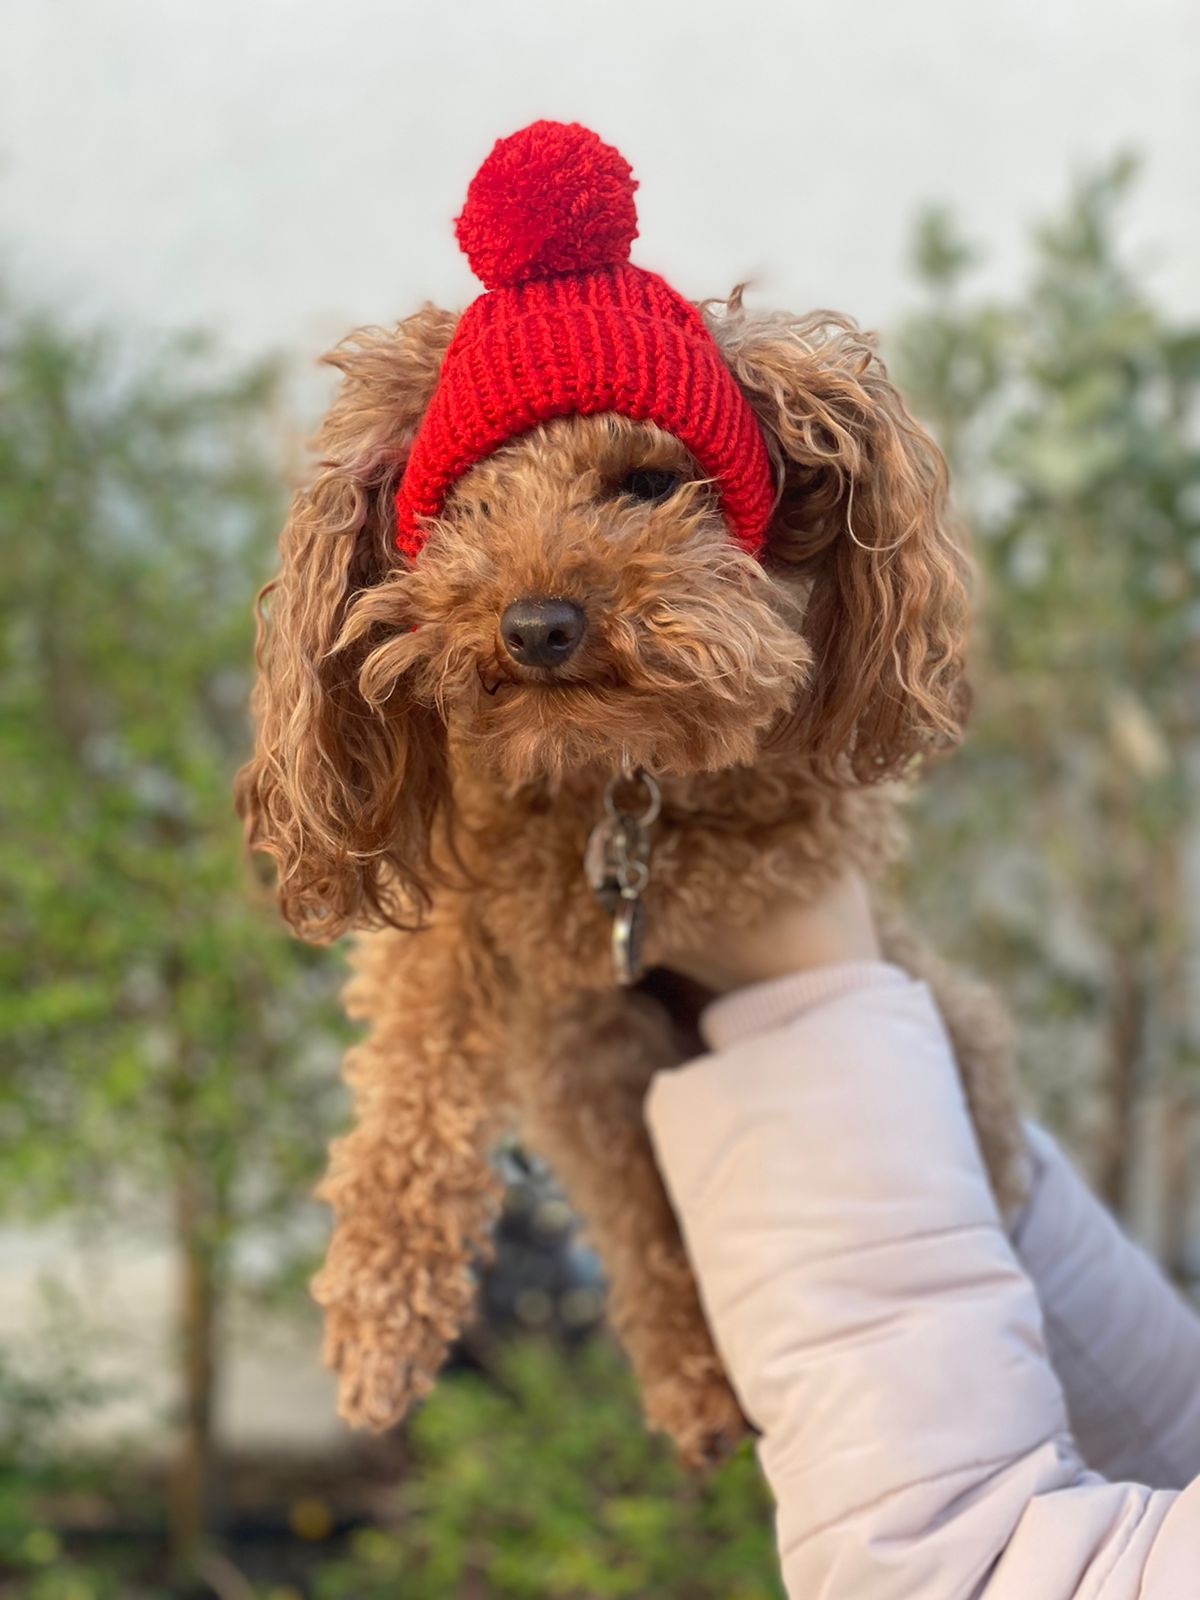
653	793
631	838
632	877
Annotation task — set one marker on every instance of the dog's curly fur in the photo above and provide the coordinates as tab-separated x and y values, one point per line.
417	786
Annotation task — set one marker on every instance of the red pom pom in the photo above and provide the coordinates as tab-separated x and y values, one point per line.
552	198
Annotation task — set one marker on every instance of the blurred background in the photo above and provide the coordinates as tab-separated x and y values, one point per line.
195	200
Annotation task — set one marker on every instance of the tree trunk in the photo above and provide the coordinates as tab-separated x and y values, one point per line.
1179	937
190	1489
1128	1016
1176	1143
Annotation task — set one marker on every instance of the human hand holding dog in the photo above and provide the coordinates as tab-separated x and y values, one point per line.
790	936
883	1333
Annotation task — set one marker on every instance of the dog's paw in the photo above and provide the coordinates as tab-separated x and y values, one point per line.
698	1411
386	1357
377	1386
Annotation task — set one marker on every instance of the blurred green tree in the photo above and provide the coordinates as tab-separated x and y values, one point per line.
160	1038
1056	846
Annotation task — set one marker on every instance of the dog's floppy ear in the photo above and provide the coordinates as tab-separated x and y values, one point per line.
344	785
863	521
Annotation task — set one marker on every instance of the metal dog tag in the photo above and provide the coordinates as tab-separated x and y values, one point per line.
616	863
628	939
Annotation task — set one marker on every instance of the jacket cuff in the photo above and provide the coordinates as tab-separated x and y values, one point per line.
763	1006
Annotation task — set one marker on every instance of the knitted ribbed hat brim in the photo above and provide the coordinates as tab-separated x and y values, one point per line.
512	377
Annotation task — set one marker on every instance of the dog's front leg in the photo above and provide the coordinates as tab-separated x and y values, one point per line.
411	1186
582	1073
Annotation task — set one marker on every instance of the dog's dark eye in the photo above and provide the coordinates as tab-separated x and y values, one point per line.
649	484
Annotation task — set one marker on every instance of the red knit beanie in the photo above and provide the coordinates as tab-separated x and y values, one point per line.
569	327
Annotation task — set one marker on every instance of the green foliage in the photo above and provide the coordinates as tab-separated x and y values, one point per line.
149	1014
37	1470
167	1052
549	1488
1054	845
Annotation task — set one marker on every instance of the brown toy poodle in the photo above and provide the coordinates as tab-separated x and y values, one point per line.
568	658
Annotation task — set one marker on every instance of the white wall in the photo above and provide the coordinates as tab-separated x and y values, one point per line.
282	169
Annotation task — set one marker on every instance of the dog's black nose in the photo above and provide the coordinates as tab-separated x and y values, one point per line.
542	633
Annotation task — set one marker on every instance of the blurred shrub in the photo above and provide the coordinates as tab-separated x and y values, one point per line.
36	1472
152	1019
163	1055
1055	849
546	1486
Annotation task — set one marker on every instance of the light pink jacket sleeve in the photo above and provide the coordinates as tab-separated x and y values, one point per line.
878	1325
1125	1346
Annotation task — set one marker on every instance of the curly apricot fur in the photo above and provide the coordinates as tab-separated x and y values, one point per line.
416	785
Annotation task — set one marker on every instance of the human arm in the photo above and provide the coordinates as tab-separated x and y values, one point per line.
1125	1345
873	1315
